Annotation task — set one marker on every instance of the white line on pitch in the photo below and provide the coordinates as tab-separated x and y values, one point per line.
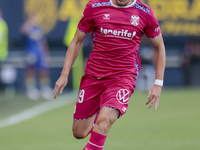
37	110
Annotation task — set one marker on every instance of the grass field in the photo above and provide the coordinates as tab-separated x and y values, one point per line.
174	126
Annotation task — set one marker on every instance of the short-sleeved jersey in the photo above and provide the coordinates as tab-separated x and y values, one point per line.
116	34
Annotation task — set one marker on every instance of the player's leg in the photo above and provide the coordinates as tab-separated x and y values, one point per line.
44	78
85	115
81	128
105	120
114	103
30	80
87	106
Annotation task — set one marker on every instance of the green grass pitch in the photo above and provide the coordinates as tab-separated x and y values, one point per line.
174	126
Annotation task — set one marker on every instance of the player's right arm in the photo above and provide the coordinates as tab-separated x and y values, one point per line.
85	26
71	55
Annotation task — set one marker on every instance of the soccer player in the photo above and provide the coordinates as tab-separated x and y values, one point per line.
113	66
37	55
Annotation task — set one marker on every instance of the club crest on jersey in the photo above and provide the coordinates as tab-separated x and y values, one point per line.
123	96
135	20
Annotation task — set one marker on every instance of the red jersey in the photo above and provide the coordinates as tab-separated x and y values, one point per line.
116	34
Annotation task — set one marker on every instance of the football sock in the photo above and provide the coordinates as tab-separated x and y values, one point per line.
96	141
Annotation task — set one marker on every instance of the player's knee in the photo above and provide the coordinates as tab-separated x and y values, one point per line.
103	125
79	134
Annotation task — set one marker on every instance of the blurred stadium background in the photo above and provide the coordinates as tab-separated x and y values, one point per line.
46	124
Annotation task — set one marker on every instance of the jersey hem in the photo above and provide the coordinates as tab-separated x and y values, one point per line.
155	36
82	31
86	118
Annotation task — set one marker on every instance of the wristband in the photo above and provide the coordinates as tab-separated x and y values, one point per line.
158	82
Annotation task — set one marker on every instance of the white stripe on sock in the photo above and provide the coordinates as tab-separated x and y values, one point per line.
95	144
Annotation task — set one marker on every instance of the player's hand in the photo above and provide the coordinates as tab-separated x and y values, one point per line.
154	95
60	84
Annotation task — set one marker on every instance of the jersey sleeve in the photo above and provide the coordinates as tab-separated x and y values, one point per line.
152	29
86	23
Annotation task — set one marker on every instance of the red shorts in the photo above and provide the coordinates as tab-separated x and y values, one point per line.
95	93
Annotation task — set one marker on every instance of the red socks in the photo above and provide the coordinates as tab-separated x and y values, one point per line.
96	141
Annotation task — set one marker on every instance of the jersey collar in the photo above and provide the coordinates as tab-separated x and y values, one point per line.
122	6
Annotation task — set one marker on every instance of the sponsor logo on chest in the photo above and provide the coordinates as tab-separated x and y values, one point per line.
120	33
117	33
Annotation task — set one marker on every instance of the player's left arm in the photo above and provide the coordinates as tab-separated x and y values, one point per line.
160	57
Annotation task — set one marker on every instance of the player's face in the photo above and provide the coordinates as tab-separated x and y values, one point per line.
122	2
